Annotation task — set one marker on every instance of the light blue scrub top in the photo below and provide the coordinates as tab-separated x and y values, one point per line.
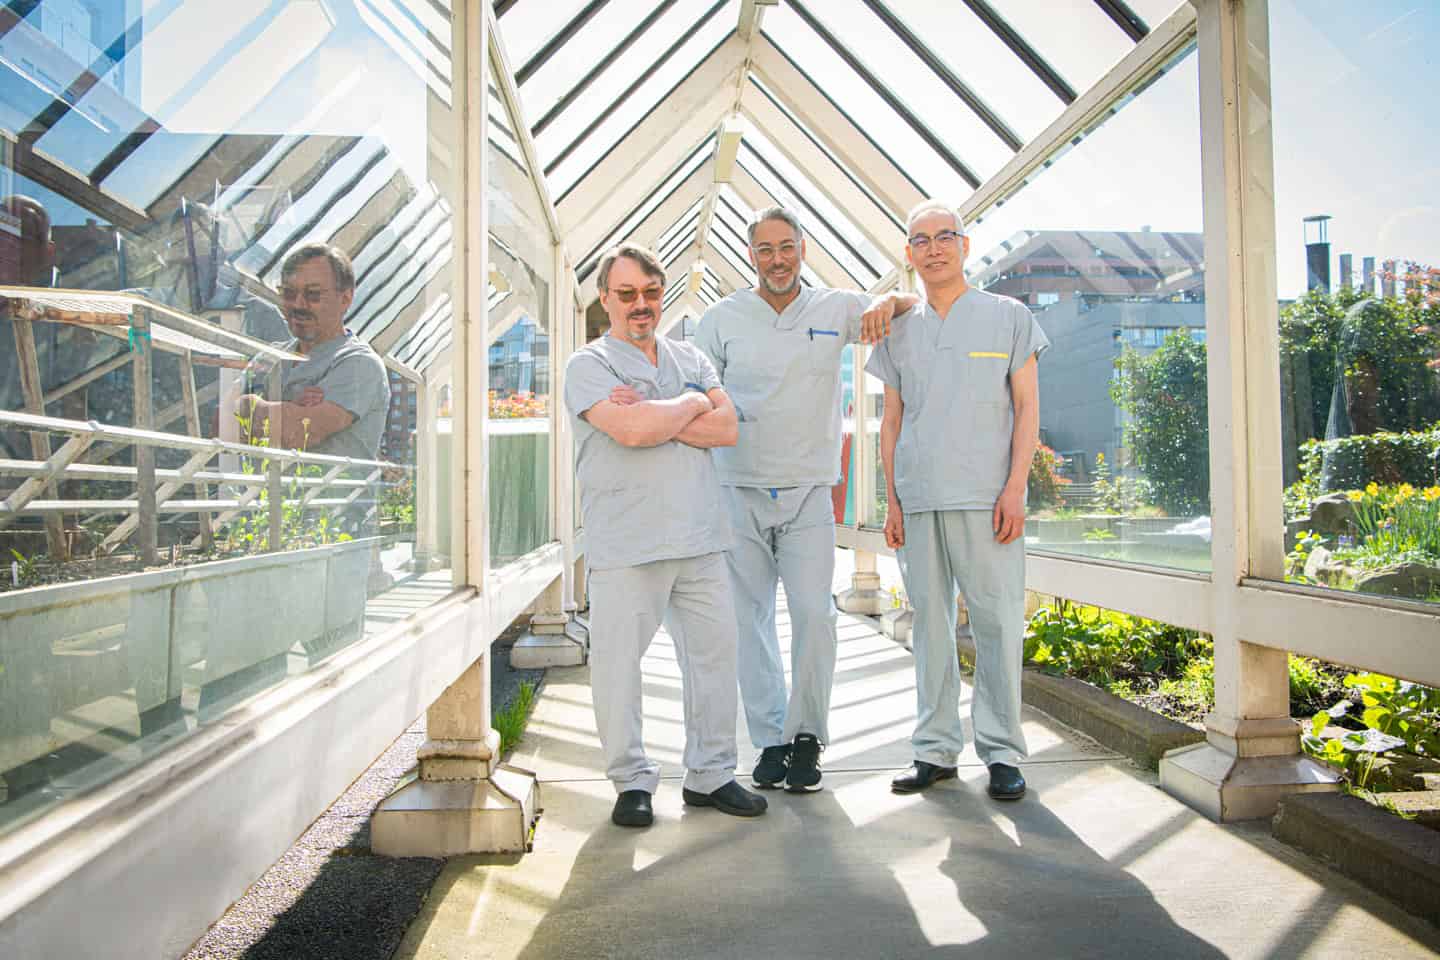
783	374
642	504
353	376
954	379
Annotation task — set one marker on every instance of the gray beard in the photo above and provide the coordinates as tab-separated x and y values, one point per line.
780	291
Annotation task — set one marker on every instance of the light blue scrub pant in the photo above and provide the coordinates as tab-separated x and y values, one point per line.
785	533
952	550
627	605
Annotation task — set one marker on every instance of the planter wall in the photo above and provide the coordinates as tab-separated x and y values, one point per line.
117	655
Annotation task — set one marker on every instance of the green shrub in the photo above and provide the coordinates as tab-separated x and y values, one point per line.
1104	646
1386	458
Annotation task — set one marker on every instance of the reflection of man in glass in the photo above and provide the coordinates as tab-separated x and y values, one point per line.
335	401
961	422
646	411
777	348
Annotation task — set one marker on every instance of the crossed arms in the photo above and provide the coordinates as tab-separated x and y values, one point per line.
701	420
295	425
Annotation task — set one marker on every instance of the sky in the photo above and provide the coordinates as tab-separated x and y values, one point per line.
1348	81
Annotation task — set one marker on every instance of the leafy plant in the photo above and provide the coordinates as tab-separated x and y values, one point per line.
26	570
1395	715
510	722
1118	494
1104	646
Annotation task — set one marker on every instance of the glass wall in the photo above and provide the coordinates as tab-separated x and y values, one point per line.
1359	296
1112	264
208	450
522	272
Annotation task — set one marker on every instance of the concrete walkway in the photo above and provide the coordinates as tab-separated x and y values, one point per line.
1095	862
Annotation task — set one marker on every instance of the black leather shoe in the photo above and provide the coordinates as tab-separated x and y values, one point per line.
731	798
1006	783
632	809
919	776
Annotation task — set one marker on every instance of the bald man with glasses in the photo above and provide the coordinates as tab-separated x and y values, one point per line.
957	435
647	411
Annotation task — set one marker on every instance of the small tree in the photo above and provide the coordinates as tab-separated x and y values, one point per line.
1164	395
1047	487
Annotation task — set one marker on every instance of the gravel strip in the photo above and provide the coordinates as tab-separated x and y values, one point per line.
329	897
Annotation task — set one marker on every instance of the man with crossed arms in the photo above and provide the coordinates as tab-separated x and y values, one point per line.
957	435
647	412
777	349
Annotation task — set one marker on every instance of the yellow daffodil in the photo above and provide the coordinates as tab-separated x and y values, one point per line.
1431	493
1405	492
1354	496
1373	489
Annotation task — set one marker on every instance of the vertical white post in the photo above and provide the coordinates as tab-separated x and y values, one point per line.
554	638
464	802
864	595
1251	755
427	484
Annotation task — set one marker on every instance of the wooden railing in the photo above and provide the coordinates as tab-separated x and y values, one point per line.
158	491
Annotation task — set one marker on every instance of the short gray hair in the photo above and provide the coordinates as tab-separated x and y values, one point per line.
934	206
644	256
782	214
340	267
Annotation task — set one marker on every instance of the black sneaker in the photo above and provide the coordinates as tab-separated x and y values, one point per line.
770	771
804	773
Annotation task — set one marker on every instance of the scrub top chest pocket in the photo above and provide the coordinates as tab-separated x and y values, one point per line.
987	382
822	347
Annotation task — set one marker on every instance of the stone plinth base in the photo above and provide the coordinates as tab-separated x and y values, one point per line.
864	596
1226	788
562	644
896	624
427	818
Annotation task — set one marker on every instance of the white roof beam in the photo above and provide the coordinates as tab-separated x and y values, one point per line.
721	266
668	213
825	266
831	181
679	310
657	144
1159	47
838	132
752	16
511	96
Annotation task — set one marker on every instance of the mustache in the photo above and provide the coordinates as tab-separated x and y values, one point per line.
301	316
640	315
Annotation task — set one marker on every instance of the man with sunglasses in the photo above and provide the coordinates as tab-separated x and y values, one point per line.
777	348
336	401
647	411
957	435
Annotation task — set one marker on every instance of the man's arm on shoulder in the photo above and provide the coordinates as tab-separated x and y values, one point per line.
649	423
718	428
877	313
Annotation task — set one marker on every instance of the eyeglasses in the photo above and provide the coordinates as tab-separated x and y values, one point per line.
945	238
766	252
654	293
311	295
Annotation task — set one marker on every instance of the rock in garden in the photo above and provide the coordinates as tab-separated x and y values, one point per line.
1412	580
1321	567
1332	514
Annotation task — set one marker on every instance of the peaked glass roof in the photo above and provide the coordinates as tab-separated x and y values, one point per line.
848	111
